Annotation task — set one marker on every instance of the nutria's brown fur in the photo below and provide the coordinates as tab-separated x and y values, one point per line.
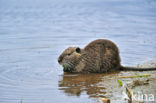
97	57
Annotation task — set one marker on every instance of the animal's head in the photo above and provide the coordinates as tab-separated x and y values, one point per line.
69	58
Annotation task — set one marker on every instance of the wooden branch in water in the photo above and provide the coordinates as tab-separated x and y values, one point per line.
131	96
135	76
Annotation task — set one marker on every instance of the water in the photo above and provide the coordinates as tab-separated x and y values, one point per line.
34	33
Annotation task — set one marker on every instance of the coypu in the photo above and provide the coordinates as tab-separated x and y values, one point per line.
99	56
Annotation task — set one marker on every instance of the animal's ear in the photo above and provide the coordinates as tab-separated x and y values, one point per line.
78	50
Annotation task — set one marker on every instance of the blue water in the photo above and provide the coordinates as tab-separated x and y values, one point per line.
33	33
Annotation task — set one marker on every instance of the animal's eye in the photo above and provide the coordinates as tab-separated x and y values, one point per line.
68	54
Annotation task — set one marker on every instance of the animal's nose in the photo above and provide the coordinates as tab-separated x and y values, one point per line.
59	60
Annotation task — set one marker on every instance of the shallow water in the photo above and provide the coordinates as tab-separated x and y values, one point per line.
34	33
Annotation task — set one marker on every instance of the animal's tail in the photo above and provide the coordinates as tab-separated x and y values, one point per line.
136	68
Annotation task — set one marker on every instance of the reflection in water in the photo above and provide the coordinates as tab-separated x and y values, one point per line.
95	85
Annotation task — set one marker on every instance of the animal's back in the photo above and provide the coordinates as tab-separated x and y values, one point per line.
103	55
